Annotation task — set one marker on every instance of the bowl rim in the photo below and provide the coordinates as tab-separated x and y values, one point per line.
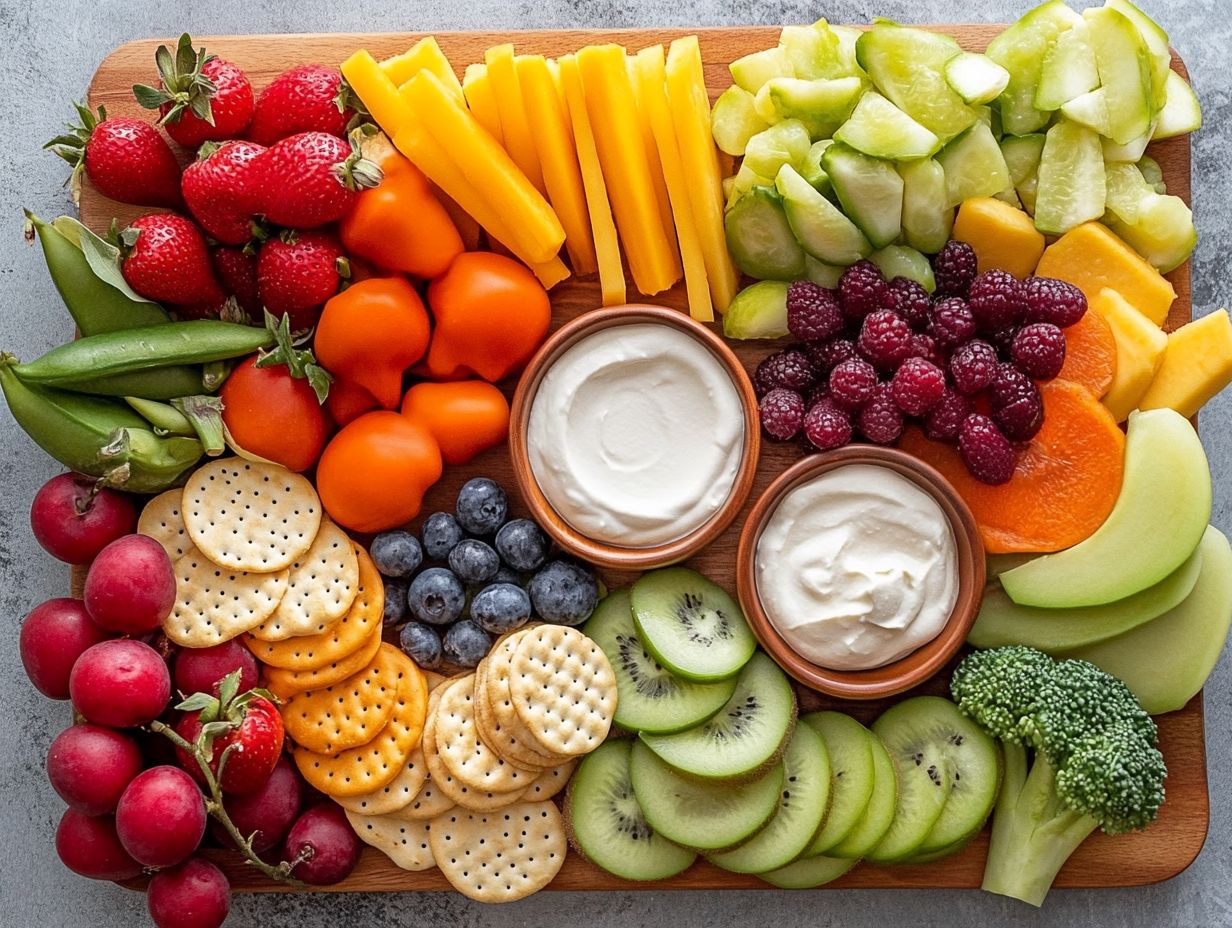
570	539
925	661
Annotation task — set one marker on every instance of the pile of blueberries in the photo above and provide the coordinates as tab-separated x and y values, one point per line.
474	574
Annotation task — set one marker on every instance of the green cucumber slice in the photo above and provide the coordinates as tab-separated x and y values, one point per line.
927	220
734	121
822	274
821	105
819	226
879	128
1181	113
1124	66
849	746
1131	151
880	812
870	191
1071	179
812	51
974	166
1164	233
1126	192
808	872
746	179
1153	174
758	311
1021	50
759	237
1090	110
752	71
1068	71
902	261
847	38
1157	45
811	169
976	78
785	142
1022	157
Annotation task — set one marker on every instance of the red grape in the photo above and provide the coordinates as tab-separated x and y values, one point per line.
88	845
89	766
324	830
121	683
200	670
194	894
131	585
267	814
73	527
161	817
53	636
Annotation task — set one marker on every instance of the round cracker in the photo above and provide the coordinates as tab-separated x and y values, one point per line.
456	791
506	731
349	713
251	516
405	843
550	782
287	683
397	794
500	856
323	586
214	604
563	688
463	752
427	805
161	520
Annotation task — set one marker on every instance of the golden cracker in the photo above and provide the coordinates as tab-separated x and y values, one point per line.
214	604
395	795
500	856
161	520
286	683
349	713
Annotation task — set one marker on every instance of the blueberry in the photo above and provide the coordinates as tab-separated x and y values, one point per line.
466	644
436	596
395	602
441	532
501	607
422	643
396	554
564	593
482	506
522	544
507	575
474	561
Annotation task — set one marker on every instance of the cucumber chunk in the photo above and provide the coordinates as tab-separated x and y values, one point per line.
1021	50
752	71
976	78
879	128
734	121
1130	151
785	142
822	274
847	38
927	220
759	238
1181	113
811	169
974	166
1068	71
812	51
870	191
822	105
1124	66
758	311
1071	179
1090	110
819	226
902	261
1022	157
1159	227
1153	174
1157	46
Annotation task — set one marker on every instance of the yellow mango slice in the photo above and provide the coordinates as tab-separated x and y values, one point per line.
657	180
1002	236
549	124
612	107
652	96
481	100
488	167
519	142
378	93
690	106
602	227
1140	351
424	55
1197	364
1092	257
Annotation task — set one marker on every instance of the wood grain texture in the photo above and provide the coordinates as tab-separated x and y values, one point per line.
1160	852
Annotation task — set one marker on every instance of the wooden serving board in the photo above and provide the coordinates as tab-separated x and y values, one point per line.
1160	852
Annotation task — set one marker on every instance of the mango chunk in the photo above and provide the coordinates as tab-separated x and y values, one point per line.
1091	257
1002	236
481	100
1140	345
519	142
1197	364
424	55
378	93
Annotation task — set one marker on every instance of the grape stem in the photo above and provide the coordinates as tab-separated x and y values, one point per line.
214	806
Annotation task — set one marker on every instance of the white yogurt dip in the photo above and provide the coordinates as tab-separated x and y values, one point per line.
857	568
636	435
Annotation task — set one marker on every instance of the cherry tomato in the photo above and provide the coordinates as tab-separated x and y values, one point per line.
274	415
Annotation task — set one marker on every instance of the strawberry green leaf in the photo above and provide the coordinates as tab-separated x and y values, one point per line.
197	701
102	256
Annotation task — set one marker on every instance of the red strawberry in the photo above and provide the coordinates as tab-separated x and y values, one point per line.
297	272
200	97
125	158
165	259
236	269
303	99
311	179
247	726
218	190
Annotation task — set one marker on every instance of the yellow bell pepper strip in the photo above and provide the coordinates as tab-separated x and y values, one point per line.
657	180
378	93
549	124
603	229
652	80
468	228
612	108
503	79
424	55
481	100
690	106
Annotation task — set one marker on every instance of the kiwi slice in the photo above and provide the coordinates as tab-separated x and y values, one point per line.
849	747
808	872
802	806
705	816
745	738
690	625
949	850
881	807
649	697
606	825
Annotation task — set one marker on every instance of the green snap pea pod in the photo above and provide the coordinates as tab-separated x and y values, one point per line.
96	304
204	415
158	383
163	417
194	342
139	461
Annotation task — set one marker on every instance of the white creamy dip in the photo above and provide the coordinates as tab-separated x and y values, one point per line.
636	435
857	568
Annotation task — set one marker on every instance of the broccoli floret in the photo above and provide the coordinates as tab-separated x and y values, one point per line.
1079	755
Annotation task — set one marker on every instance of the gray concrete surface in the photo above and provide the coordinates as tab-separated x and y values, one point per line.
48	51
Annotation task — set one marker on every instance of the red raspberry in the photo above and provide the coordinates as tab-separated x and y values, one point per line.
954	268
813	313
1020	419
1002	340
852	383
825	356
986	452
1009	384
862	289
995	299
827	426
918	386
950	322
944	421
1039	350
973	367
909	300
885	339
820	391
925	346
1050	300
782	413
788	368
881	421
